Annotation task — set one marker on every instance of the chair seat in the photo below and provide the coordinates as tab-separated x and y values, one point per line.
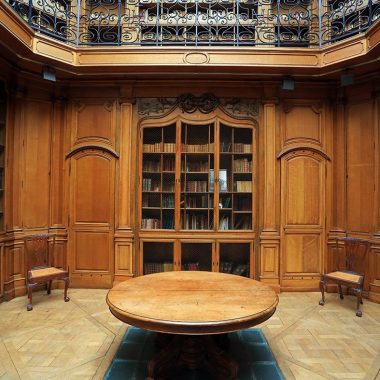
344	276
36	274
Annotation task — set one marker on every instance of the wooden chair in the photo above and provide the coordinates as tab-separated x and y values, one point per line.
350	262
39	250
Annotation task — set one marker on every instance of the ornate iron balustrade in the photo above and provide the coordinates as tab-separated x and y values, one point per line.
293	23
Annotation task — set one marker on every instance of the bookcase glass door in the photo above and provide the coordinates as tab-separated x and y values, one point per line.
235	178
3	111
158	178
197	187
235	258
196	256
157	257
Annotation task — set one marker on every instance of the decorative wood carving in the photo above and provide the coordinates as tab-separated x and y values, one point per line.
206	103
304	147
92	146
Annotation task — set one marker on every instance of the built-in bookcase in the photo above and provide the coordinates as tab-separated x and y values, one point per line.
197	187
215	182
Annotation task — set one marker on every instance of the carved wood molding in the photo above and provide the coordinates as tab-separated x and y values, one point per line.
304	147
92	146
188	103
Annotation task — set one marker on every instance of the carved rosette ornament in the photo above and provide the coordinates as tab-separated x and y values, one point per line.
206	103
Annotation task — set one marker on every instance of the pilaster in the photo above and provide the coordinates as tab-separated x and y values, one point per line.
269	237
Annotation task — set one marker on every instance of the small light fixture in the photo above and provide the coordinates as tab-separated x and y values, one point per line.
288	84
346	79
48	73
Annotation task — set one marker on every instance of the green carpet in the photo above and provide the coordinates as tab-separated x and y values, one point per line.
248	347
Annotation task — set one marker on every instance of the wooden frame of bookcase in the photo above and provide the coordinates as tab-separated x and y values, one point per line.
177	235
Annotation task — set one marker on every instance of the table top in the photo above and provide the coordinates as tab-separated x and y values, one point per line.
192	303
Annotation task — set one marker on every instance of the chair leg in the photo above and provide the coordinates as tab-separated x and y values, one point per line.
30	291
340	291
67	282
358	302
322	288
49	287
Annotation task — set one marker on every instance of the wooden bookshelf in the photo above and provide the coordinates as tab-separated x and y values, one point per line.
196	182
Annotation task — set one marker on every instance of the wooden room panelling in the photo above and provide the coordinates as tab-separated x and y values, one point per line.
270	236
302	123
14	269
36	178
360	168
91	218
303	175
94	122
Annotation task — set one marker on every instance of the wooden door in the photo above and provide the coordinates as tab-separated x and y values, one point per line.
303	176
91	218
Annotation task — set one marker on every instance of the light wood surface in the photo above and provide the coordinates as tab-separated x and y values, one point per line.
309	342
192	302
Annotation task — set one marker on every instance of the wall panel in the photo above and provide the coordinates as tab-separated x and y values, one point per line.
360	167
36	179
303	219
91	215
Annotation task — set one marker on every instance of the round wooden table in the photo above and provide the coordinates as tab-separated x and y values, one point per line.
188	308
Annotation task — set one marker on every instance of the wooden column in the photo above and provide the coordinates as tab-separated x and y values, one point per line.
124	267
269	237
57	174
338	225
374	258
13	252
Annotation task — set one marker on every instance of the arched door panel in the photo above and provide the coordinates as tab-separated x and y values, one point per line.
91	218
302	219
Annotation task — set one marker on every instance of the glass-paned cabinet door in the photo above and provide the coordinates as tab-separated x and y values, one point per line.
235	178
157	257
196	256
197	169
235	258
158	178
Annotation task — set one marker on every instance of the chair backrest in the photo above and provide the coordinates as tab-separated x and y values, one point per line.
39	250
351	255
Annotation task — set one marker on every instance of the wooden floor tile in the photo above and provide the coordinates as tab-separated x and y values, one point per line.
78	339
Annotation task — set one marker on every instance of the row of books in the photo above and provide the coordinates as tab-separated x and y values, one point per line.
242	148
196	222
191	266
196	186
159	147
157	267
150	185
151	166
230	267
201	166
150	223
224	222
198	148
196	202
168	201
237	147
149	148
169	165
168	223
243	186
242	165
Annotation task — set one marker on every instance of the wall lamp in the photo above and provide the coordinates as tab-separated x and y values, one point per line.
288	84
346	79
48	73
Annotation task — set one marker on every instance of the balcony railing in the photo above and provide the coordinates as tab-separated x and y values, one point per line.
277	23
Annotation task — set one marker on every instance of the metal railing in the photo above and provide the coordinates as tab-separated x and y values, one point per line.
277	23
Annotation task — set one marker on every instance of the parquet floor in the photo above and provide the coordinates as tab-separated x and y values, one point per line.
77	340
